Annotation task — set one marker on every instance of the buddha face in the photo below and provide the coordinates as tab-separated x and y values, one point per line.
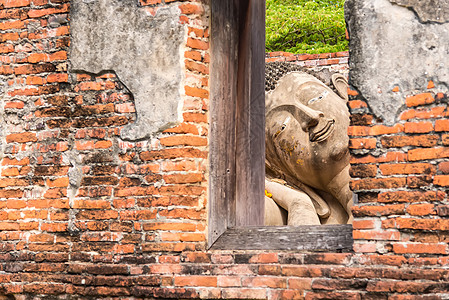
306	130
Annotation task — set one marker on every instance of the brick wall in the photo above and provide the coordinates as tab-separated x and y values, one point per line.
335	62
87	214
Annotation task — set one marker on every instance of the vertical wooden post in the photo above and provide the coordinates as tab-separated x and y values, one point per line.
250	143
223	94
237	150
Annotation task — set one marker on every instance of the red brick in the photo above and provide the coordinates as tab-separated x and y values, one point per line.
197	44
11	193
376	235
186	140
374	210
184	128
412	196
269	270
441	180
444	167
58	182
196	92
37	13
426	154
443	210
6	226
169	226
363	171
34	69
10	182
421	127
183	178
332	295
229	281
368	143
195	117
190	8
264	258
358	130
198	257
60	77
17	24
270	282
423	113
416	168
148	214
365	248
97	215
172	153
421	248
181	213
243	293
14	3
54	227
442	125
414	223
377	183
363	224
6	70
301	271
354	104
420	99
6	48
92	204
194	55
11	36
198	32
421	209
182	237
197	67
402	141
383	130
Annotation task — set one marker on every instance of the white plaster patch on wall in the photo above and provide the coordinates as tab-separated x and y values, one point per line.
429	10
391	49
143	50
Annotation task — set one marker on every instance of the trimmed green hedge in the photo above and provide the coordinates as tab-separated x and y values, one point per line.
305	26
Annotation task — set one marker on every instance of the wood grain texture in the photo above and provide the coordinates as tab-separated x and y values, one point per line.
223	94
250	143
321	238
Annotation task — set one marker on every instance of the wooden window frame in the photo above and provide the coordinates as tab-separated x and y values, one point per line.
237	141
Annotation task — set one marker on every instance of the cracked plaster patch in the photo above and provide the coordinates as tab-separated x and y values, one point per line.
393	55
427	10
143	50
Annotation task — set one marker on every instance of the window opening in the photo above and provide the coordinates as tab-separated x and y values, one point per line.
237	160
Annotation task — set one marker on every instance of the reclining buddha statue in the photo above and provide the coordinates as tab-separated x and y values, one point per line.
307	155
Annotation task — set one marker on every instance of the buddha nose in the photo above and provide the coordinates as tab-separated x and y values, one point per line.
307	116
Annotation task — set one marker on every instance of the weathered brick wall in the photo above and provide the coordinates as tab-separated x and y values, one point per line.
335	62
87	214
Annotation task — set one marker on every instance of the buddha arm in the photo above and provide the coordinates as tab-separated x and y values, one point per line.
298	204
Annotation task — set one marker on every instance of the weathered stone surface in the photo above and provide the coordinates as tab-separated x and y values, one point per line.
429	10
391	48
306	148
143	50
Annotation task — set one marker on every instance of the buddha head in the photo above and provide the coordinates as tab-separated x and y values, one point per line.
306	125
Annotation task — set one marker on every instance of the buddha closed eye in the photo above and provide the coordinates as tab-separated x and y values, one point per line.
313	100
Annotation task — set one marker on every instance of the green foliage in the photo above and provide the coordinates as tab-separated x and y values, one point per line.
305	26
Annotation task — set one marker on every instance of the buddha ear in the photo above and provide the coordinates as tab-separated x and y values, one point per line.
341	85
